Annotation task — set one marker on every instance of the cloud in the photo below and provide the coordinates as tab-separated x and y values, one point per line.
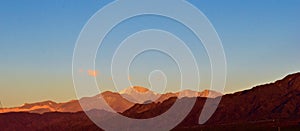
92	73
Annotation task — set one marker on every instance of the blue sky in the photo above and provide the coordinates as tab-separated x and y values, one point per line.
260	38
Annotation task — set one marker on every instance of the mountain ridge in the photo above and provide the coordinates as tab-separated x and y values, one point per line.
264	107
118	101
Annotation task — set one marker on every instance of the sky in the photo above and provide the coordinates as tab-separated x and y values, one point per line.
37	38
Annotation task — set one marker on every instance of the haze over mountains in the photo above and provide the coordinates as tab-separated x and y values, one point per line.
118	101
273	106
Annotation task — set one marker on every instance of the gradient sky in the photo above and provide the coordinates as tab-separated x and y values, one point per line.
260	38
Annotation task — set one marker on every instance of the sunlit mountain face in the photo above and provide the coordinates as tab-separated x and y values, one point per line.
271	106
118	101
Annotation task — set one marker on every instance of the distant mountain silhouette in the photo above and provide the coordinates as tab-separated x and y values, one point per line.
141	95
117	101
273	103
272	106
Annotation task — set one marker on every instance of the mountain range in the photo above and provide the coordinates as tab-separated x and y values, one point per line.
273	106
118	101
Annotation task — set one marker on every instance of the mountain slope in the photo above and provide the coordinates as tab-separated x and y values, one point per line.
117	101
272	106
270	102
137	94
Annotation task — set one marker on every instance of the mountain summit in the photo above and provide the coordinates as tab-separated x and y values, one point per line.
138	89
272	106
118	101
138	94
